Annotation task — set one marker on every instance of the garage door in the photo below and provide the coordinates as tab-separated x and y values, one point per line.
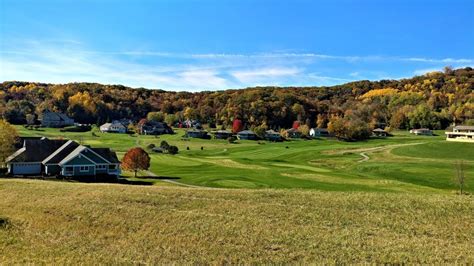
27	169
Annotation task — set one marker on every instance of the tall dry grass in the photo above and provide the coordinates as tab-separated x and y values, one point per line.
56	222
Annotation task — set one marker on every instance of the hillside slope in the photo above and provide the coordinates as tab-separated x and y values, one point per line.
57	222
433	100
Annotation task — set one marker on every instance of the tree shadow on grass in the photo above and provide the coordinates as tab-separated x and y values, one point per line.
160	177
110	180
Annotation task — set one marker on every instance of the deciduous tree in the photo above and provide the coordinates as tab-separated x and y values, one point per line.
8	138
136	159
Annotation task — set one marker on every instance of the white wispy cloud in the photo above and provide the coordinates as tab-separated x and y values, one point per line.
267	75
57	61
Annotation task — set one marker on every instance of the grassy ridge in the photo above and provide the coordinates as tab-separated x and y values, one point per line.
398	164
92	223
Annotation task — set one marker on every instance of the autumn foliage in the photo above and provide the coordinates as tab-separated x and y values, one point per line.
8	137
136	159
444	97
237	126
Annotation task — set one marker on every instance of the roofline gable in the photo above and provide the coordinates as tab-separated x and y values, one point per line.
51	156
63	162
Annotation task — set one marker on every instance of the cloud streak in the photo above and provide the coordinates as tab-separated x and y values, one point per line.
69	61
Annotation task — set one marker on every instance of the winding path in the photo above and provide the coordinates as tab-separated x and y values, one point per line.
365	157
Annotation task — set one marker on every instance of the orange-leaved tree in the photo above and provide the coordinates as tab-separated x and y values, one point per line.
136	159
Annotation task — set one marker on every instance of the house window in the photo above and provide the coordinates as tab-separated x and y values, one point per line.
101	167
69	169
112	166
84	169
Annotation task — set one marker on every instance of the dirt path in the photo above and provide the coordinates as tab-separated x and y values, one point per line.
365	157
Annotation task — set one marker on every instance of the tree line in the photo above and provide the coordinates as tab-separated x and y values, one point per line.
434	100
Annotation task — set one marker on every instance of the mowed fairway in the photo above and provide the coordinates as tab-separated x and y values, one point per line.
72	223
403	163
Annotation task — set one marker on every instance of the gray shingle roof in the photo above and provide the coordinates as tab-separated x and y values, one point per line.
36	150
107	154
60	153
464	127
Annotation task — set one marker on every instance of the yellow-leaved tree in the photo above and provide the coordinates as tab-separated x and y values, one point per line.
8	139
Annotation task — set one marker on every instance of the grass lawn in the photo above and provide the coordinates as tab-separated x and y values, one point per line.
403	163
76	223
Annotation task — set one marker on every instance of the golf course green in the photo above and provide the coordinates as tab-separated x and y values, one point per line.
401	163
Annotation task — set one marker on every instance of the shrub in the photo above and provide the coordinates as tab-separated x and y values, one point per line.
151	146
164	145
232	139
173	150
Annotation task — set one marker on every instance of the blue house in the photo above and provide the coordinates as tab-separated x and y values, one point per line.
62	158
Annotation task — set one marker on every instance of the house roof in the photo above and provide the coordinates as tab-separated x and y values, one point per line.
107	154
464	127
55	115
272	132
246	132
36	150
106	125
223	132
60	153
115	123
73	154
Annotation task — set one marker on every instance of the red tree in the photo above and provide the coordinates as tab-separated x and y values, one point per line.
296	124
237	126
136	159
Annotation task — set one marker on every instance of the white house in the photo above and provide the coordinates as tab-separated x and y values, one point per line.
52	119
461	133
114	127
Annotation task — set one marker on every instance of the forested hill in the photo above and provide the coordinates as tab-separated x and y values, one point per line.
433	100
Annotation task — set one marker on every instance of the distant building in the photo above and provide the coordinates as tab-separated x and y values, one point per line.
319	132
62	158
461	133
114	127
247	135
294	133
222	134
422	131
272	135
53	119
154	128
378	132
197	133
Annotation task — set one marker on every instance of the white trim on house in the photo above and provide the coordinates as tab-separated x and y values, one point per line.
56	152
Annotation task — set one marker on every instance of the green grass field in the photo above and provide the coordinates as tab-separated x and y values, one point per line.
403	163
321	201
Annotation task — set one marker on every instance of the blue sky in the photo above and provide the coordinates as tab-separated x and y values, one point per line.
210	45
